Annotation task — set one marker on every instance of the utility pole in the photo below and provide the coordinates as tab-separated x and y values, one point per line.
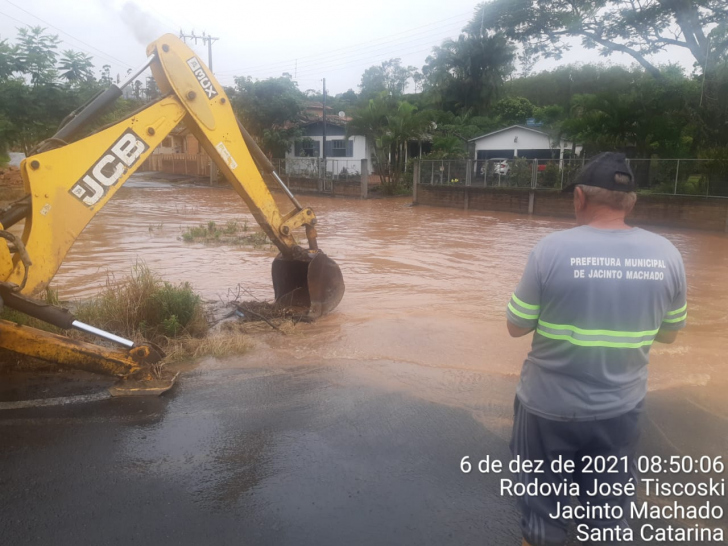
324	132
206	39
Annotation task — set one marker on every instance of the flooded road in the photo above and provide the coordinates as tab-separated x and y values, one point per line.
349	430
426	287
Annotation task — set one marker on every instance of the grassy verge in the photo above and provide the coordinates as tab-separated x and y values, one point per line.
143	307
232	232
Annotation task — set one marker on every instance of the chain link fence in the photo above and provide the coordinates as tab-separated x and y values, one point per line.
313	168
703	177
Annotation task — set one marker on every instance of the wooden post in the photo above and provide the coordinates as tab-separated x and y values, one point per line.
364	179
415	180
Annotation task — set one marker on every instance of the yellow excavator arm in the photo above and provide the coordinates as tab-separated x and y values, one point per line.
67	182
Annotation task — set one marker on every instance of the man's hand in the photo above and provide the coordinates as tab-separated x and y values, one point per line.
666	336
517	331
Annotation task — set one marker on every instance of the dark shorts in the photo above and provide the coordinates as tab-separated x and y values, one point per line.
537	438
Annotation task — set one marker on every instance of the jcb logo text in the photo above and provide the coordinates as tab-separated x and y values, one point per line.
107	171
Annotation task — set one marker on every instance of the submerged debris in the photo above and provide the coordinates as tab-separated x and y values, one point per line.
232	233
250	315
269	312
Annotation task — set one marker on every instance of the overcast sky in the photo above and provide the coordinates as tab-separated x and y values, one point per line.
311	40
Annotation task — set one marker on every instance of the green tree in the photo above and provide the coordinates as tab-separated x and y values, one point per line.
513	110
656	117
448	147
151	91
35	55
639	29
7	60
463	126
390	77
388	126
558	86
105	80
346	100
468	73
76	67
418	79
269	109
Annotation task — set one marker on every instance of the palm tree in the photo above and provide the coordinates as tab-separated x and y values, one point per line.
388	125
469	72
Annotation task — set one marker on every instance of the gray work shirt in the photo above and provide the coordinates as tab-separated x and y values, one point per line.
597	299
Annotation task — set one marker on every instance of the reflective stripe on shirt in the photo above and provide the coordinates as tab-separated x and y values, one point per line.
596	338
682	312
522	309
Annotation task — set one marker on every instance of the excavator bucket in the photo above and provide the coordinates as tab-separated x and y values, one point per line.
315	284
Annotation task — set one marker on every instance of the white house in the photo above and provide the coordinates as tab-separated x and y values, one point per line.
519	141
343	155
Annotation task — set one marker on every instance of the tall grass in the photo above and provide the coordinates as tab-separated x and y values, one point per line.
142	305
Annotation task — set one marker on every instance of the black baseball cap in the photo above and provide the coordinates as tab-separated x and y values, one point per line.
608	170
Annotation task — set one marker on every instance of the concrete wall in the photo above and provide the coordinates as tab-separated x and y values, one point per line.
340	188
708	213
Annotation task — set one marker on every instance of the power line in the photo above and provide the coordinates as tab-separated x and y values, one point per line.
361	60
342	51
62	41
103	54
427	39
355	60
336	56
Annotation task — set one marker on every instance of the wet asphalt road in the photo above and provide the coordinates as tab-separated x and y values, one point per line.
245	457
296	456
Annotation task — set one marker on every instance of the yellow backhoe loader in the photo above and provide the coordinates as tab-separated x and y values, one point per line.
69	178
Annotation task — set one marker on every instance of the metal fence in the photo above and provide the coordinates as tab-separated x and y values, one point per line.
187	164
313	168
659	176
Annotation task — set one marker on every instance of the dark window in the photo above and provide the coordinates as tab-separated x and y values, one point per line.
340	148
308	148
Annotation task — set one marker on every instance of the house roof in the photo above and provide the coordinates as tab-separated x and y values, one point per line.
305	122
313	105
508	128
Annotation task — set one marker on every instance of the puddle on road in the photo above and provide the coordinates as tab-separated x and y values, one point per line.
426	287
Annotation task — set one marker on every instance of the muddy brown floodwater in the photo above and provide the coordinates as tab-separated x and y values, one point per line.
349	430
426	287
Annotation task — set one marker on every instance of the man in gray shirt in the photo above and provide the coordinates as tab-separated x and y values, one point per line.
598	296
